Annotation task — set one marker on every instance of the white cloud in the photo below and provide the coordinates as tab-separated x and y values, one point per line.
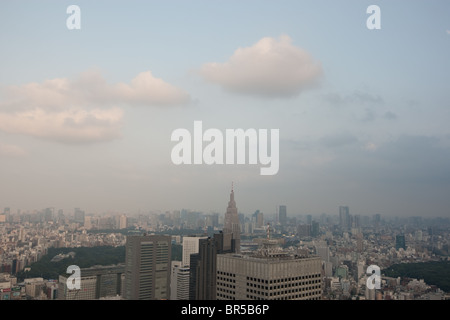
270	68
146	89
74	125
91	88
82	110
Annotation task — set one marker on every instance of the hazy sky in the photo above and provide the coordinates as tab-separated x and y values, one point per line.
86	116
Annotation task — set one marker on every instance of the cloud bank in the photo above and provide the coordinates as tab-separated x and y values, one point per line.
269	68
82	110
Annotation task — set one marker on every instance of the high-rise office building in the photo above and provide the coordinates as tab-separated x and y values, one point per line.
268	275
203	270
258	219
344	217
315	229
147	267
202	284
231	223
179	282
78	215
190	246
123	221
400	242
304	230
95	283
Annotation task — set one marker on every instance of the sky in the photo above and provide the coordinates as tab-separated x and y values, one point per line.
86	115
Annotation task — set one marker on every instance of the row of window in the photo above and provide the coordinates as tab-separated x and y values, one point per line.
282	292
284	285
226	285
289	279
228	274
311	296
226	279
222	296
222	292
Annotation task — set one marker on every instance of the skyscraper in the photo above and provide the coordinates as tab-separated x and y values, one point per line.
400	242
344	217
179	282
202	285
258	219
231	223
190	246
147	267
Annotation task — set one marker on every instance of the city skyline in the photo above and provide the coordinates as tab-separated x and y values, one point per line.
86	115
145	258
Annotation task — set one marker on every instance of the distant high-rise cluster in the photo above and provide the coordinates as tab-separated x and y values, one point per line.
219	256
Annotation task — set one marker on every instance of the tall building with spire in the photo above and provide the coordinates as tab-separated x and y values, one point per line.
231	223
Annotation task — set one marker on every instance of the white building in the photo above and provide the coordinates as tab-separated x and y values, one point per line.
179	281
190	246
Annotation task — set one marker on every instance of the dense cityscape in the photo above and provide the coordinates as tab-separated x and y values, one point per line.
314	257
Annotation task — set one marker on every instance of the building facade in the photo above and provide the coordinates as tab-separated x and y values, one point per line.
95	283
179	282
147	267
268	275
190	246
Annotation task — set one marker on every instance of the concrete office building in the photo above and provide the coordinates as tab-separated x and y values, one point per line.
282	215
344	217
147	267
190	246
269	274
95	283
203	270
179	281
88	285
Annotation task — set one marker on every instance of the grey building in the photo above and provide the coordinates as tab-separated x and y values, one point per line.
282	215
147	267
269	274
95	282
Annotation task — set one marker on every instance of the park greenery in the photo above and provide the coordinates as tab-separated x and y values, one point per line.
433	272
84	257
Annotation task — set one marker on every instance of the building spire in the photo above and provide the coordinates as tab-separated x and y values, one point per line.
232	202
231	221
